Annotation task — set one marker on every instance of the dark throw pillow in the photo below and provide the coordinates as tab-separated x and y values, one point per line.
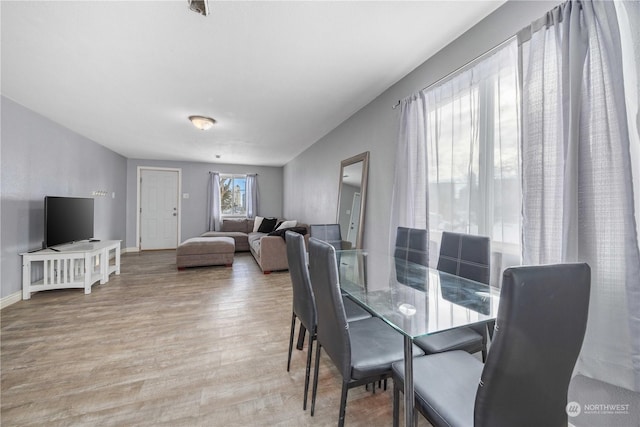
267	225
282	232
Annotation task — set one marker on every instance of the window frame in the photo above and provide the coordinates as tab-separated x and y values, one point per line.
233	176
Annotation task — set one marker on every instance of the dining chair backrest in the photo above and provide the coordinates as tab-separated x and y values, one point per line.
332	327
412	245
465	255
539	331
304	305
411	248
329	233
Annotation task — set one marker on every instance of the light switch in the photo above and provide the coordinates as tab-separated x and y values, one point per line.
185	195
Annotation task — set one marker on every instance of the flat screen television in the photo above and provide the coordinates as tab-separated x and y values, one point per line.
67	219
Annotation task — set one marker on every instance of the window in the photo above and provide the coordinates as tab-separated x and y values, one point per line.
473	155
473	158
233	198
459	145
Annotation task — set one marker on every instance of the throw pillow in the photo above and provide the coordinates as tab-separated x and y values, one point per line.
267	225
287	224
256	223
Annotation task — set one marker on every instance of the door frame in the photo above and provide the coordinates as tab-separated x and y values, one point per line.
138	198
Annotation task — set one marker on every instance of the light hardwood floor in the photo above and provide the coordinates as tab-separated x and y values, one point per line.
154	346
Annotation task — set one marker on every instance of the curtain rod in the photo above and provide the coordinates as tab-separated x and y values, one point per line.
256	174
459	69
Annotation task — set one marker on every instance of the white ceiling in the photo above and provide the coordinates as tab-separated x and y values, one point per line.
277	76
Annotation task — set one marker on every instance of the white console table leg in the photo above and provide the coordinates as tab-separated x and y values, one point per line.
26	280
118	259
104	266
88	270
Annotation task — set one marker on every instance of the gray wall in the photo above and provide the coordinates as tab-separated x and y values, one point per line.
311	179
195	181
38	158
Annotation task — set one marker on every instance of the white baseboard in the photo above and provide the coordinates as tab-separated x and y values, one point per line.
10	299
130	250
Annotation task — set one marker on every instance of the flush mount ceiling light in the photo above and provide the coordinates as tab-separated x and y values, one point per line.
201	122
199	6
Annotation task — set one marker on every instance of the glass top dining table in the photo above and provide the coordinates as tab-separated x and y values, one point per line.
414	299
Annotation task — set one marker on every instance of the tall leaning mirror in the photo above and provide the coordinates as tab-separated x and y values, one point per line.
352	199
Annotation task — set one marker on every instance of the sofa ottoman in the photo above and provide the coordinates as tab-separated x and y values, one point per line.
203	251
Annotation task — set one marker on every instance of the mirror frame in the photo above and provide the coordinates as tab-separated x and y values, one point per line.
364	158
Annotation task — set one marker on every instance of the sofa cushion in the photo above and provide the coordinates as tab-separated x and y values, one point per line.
252	237
236	224
254	242
268	225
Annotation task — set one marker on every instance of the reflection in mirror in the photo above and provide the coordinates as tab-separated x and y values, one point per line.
352	194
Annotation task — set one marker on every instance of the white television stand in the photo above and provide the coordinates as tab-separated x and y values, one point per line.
76	265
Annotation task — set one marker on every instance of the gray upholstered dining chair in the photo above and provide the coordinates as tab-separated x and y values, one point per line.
467	256
539	330
304	306
329	233
412	245
411	248
362	351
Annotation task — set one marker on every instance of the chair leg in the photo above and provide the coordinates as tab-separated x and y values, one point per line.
315	380
486	332
293	328
396	405
343	402
300	343
308	371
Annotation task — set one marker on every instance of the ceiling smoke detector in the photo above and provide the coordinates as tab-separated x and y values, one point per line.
199	6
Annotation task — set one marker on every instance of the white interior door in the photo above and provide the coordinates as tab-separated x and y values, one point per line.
354	222
158	209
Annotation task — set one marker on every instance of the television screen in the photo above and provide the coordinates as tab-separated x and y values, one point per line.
67	219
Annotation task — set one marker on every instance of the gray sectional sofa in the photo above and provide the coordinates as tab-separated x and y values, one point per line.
269	251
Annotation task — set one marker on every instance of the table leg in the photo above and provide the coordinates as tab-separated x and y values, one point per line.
408	382
26	279
88	272
118	259
104	266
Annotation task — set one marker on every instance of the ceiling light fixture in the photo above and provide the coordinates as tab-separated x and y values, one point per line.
199	6
201	122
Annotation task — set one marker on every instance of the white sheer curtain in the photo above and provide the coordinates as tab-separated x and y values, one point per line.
252	195
409	199
577	179
457	166
213	206
472	139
